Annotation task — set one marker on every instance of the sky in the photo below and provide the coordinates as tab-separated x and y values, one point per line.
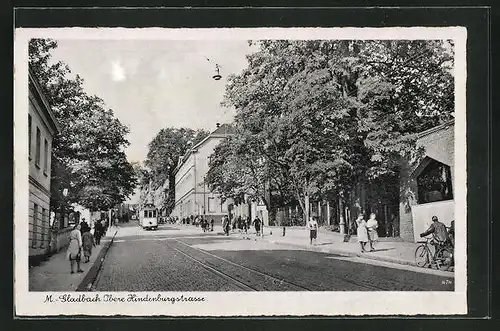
154	84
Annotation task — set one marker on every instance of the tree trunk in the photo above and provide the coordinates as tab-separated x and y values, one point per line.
341	215
307	205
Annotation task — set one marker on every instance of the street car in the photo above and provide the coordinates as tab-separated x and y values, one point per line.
149	218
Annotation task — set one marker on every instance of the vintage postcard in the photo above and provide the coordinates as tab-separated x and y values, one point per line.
240	172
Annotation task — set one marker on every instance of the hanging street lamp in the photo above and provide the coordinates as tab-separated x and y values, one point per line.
217	76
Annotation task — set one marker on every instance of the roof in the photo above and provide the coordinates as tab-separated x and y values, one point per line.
443	126
43	101
221	132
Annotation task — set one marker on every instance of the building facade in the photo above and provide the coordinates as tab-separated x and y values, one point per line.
192	196
42	126
430	183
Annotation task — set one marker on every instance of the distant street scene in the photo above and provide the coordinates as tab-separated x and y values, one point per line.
235	165
183	258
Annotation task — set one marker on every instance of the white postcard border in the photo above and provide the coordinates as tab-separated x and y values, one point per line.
239	303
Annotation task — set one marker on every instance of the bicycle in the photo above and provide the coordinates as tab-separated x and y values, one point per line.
442	258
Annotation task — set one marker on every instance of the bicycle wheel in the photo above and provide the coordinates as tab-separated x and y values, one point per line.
444	258
421	256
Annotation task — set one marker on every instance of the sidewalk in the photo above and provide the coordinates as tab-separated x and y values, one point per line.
54	274
395	251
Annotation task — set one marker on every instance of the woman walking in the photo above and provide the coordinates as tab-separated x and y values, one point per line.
372	226
362	232
88	243
75	248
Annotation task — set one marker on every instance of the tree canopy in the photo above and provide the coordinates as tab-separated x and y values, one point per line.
88	153
321	116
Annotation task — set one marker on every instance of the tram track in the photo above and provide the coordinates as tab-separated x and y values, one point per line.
275	281
221	274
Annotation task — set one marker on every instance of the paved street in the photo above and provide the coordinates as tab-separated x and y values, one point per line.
183	258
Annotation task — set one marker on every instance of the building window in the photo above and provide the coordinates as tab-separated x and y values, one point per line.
434	183
45	156
29	136
35	226
211	205
42	228
146	214
38	142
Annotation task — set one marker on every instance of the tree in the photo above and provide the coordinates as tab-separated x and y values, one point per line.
163	157
327	115
88	156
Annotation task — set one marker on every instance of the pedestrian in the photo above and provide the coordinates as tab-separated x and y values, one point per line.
106	226
244	224
312	225
362	232
233	222
226	225
212	222
83	226
257	222
451	233
75	248
87	243
249	222
98	232
371	226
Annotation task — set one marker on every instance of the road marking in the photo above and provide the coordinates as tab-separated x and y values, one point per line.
356	259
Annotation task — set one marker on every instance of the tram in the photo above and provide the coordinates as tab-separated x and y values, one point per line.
149	217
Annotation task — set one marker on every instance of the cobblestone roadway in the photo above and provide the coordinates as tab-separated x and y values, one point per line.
154	263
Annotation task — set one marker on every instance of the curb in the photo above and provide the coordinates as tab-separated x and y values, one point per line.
346	253
91	276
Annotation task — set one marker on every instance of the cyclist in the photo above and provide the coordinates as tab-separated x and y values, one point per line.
438	230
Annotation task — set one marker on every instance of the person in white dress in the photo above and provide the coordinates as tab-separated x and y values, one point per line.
75	248
362	232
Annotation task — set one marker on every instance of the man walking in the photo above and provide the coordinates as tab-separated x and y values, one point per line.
226	225
98	232
312	225
257	223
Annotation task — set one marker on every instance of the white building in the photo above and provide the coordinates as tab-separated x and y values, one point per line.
192	196
42	126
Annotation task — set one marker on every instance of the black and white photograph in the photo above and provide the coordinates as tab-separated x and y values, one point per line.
177	171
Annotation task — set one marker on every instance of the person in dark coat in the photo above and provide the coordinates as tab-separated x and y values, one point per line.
98	232
257	223
451	233
212	222
87	243
83	226
226	225
438	231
